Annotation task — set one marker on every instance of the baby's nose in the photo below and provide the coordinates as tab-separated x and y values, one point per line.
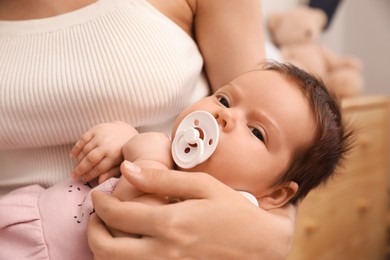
226	119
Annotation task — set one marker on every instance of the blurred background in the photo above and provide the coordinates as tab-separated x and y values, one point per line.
349	218
358	28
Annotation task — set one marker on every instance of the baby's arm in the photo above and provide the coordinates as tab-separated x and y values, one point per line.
98	152
147	150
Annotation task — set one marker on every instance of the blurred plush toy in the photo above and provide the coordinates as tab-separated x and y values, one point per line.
296	33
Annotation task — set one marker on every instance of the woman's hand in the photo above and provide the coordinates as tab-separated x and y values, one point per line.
212	222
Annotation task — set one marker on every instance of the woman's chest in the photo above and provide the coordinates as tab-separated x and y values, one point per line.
127	65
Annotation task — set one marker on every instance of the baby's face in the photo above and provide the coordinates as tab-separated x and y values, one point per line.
262	119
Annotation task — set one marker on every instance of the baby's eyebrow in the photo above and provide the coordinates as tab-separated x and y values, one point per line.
236	89
233	85
256	113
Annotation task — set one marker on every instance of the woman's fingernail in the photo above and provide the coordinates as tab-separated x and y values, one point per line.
131	167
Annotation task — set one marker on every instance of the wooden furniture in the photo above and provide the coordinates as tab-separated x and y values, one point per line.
347	218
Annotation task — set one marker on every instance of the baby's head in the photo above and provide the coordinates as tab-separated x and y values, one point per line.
314	163
280	134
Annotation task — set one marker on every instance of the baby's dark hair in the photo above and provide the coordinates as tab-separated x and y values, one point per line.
313	164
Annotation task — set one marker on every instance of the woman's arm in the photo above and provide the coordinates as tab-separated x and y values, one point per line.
229	33
230	36
223	224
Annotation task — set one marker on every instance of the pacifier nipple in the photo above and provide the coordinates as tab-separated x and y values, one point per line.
191	135
195	140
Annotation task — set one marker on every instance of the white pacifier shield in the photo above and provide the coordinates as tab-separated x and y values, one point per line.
195	140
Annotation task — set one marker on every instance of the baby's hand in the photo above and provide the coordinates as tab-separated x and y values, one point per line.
98	151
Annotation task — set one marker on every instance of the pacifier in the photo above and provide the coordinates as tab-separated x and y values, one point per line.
195	140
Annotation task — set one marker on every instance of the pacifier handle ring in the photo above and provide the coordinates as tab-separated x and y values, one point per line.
195	140
191	162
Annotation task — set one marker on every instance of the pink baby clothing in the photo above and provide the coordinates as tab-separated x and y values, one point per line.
38	223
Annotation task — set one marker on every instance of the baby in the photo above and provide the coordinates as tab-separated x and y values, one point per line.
273	133
280	135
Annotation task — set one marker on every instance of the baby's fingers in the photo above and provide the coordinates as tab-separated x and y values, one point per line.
88	163
114	172
79	146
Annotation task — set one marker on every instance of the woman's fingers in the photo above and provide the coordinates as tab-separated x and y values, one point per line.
125	216
104	246
171	242
172	183
99	239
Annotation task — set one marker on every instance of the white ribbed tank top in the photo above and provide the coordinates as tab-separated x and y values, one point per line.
59	76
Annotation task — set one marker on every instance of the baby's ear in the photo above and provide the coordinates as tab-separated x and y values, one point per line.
278	196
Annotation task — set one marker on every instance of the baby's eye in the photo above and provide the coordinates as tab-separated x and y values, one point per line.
256	132
223	101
